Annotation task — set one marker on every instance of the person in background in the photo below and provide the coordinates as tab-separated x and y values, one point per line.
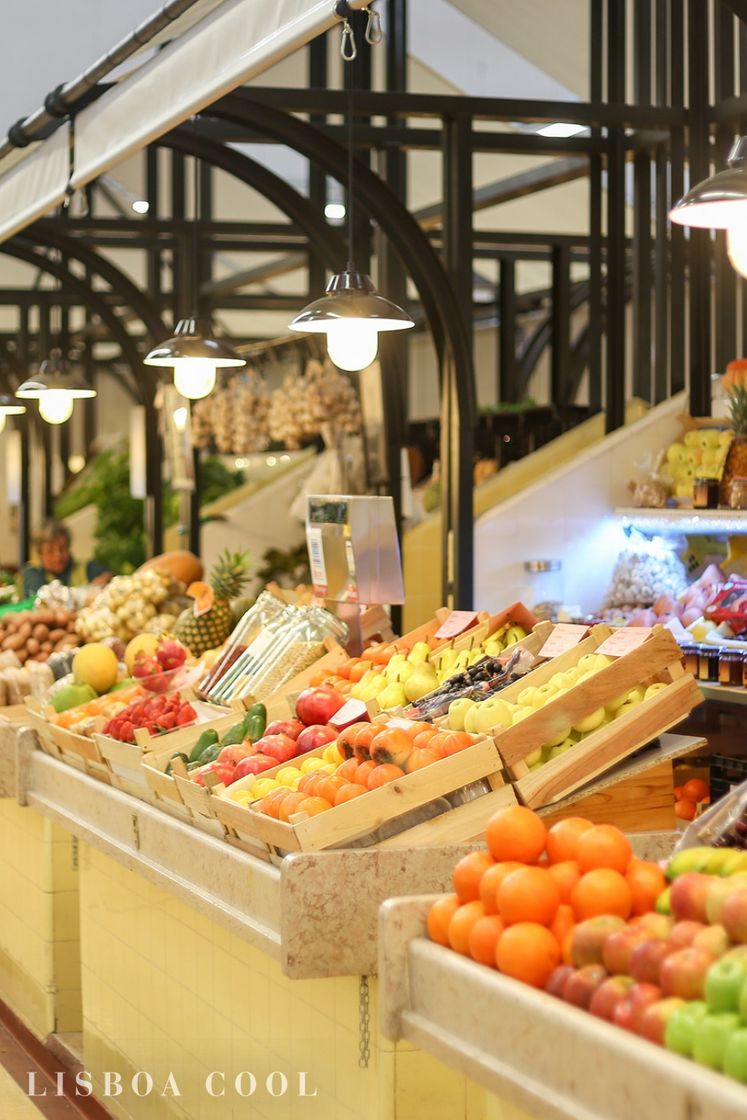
53	544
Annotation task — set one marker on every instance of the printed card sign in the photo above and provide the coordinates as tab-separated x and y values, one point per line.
565	636
316	560
624	640
455	624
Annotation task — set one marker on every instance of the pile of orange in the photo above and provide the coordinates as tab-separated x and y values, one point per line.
375	754
515	906
689	796
344	676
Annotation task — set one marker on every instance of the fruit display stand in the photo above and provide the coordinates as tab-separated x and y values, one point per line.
533	1051
657	659
79	751
344	824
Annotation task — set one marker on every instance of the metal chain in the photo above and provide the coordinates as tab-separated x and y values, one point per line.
364	1023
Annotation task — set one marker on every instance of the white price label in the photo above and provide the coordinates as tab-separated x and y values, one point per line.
624	640
316	560
565	636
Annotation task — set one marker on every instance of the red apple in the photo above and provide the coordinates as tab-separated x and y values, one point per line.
315	736
290	727
582	983
280	747
619	946
719	892
589	937
318	705
658	925
684	933
714	939
653	1022
558	978
688	896
146	666
646	960
608	995
734	916
254	764
683	973
629	1011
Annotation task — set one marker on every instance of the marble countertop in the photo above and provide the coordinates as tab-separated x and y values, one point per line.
532	1050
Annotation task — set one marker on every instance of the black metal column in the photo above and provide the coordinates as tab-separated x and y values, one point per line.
615	365
596	279
725	286
25	426
44	428
507	387
317	178
677	242
457	431
560	353
699	293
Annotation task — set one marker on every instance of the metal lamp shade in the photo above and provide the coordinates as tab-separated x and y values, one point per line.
719	201
9	406
188	344
351	295
54	374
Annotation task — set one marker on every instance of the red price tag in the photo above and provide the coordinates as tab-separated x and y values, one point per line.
456	623
624	640
565	636
352	711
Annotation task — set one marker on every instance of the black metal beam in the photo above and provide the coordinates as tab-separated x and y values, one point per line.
560	315
699	294
506	382
616	367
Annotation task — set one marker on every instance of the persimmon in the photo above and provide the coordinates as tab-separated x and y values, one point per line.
419	758
529	894
516	833
601	891
482	943
461	925
695	790
646	881
455	741
364	769
270	803
528	952
314	805
685	810
439	916
468	873
311	780
290	804
383	774
491	881
348	792
423	738
392	745
603	845
346	739
364	736
347	769
329	786
563	836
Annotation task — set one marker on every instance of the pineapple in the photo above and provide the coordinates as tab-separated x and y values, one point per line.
735	386
208	623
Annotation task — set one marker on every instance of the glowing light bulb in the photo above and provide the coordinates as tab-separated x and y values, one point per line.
352	344
2	421
736	247
181	415
56	405
194	378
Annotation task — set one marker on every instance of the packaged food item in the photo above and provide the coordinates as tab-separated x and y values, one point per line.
730	605
723	825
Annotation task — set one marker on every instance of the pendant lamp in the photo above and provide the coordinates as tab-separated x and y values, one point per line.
719	202
56	389
193	353
9	407
351	313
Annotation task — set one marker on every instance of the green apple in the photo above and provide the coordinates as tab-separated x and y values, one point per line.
591	722
634	696
710	1037
586	662
526	697
663	905
652	689
491	714
520	714
458	710
534	759
563	732
561	748
563	680
680	1033
724	983
735	1056
601	661
545	691
586	676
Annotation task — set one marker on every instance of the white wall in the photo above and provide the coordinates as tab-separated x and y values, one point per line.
569	517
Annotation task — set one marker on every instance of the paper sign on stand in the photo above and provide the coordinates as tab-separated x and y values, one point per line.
456	624
565	636
624	640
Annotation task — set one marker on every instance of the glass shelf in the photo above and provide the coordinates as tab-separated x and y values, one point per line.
690	521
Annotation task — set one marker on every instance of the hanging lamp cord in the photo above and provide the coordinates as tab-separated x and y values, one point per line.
351	227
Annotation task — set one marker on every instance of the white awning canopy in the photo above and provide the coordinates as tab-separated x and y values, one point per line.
235	43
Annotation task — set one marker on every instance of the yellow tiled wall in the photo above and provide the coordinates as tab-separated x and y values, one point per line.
166	990
39	922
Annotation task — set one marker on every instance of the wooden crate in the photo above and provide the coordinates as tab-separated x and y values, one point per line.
341	825
657	659
124	760
164	791
78	751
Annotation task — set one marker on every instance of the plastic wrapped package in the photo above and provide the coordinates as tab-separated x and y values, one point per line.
644	572
723	825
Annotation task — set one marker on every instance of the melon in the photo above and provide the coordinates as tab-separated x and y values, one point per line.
180	564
